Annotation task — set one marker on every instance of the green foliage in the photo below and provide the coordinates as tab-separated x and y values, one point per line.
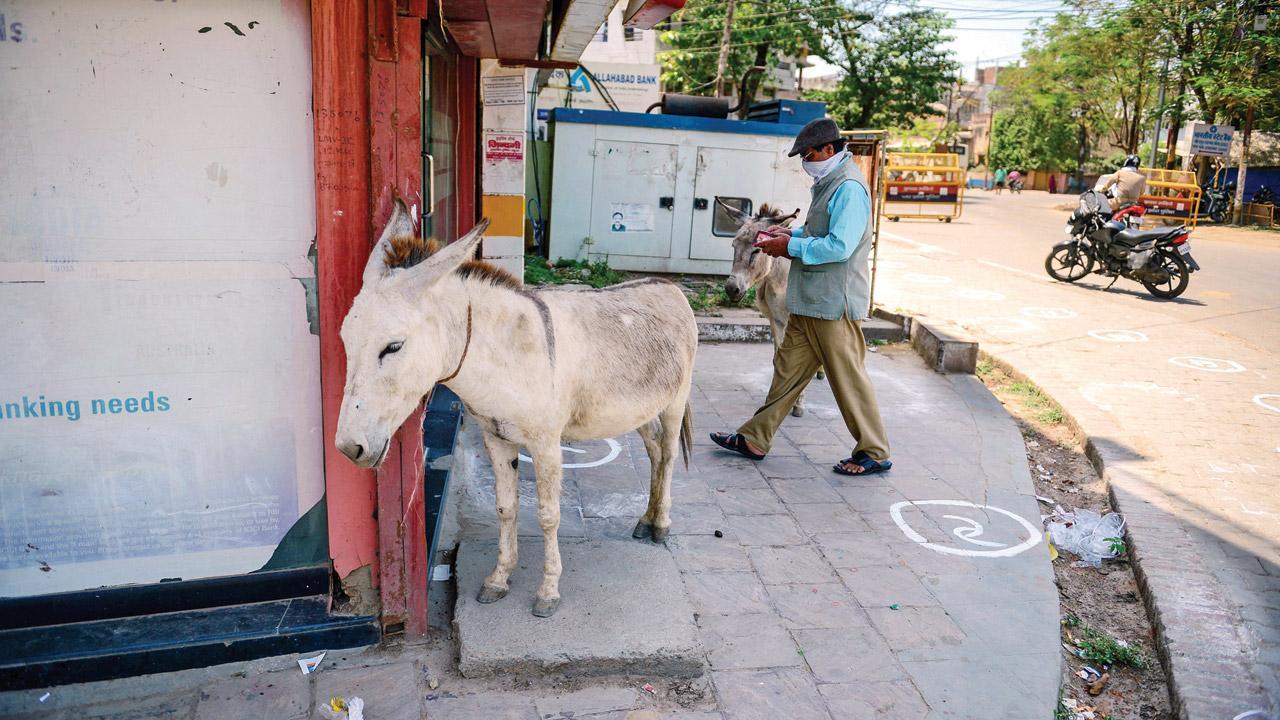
706	298
598	274
1031	139
894	64
1098	647
1116	545
695	33
894	67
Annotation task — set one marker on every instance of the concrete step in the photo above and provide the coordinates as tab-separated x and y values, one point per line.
623	610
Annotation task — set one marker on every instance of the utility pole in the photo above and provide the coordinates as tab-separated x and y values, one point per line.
724	48
1155	135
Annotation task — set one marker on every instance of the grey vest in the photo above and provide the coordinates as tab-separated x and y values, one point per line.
831	290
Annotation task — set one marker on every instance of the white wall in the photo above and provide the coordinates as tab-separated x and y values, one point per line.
158	192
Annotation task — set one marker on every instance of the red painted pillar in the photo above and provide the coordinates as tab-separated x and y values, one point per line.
340	91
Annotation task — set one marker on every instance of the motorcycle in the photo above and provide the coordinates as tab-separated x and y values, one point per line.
1215	203
1160	258
1264	196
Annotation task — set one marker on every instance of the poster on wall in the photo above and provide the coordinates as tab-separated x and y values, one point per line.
159	398
630	217
502	89
503	163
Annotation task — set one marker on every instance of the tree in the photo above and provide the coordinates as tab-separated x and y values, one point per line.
695	37
1031	139
894	67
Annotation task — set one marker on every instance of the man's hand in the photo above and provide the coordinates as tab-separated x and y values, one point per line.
776	245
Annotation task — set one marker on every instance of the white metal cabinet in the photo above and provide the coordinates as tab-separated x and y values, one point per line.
634	189
726	173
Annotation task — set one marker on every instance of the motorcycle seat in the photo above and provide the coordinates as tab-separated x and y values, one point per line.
1131	237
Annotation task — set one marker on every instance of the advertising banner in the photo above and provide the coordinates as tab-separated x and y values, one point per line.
915	192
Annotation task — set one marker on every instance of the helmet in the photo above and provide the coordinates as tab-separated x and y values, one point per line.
1132	161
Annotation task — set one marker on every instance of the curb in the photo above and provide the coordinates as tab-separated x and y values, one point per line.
756	329
1188	612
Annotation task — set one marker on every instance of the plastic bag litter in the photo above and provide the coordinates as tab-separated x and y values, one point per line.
1086	534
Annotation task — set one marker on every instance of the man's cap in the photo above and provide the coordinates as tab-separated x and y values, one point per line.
815	133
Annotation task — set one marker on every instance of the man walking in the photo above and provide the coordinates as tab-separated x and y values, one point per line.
827	296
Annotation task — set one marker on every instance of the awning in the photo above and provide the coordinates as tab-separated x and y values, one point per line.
515	31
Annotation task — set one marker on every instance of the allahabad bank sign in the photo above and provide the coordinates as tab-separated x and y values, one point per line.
633	87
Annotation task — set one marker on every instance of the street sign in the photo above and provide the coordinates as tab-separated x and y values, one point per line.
1211	140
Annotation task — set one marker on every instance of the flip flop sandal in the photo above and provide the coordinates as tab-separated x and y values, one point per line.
869	465
736	443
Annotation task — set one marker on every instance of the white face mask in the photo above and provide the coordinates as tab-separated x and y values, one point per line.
816	169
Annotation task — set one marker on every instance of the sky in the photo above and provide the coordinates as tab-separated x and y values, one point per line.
987	31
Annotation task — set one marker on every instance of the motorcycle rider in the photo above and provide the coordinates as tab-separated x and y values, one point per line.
1128	182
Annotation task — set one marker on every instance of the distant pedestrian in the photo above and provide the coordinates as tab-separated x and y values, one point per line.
1000	176
1053	183
1015	181
827	294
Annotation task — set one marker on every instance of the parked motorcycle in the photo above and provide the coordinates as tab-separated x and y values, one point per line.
1159	258
1264	196
1215	203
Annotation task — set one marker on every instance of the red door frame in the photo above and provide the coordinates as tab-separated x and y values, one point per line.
367	99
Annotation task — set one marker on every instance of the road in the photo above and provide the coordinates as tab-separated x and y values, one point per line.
1180	398
1237	294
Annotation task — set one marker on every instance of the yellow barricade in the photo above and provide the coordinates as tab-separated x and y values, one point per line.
1172	195
922	185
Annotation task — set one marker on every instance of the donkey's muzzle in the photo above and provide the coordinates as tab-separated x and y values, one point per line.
353	451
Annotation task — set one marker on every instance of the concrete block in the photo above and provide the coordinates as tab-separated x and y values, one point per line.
720	329
944	348
623	609
494	246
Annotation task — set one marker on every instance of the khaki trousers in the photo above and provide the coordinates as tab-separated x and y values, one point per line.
838	347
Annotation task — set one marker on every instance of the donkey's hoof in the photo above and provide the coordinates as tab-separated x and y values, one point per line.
797	411
545	608
642	531
490	594
660	534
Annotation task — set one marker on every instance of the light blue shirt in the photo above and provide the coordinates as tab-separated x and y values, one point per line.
850	210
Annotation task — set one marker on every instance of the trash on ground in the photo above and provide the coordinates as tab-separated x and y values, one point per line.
719	534
1077	711
1097	686
1086	534
649	689
1089	674
1045	500
893	606
433	683
440	573
44	697
1053	550
311	664
340	708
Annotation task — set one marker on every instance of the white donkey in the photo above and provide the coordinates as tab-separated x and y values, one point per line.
533	367
752	268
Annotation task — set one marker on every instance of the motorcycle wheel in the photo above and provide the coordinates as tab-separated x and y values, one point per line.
1218	216
1179	277
1066	262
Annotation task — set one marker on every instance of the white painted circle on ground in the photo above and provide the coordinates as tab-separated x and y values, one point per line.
615	449
926	279
976	294
1207	364
1049	313
968	532
1118	336
1266	401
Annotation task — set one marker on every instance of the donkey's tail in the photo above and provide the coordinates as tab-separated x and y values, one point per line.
686	434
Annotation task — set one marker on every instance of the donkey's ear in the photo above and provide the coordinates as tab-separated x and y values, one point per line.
733	212
399	225
788	218
448	258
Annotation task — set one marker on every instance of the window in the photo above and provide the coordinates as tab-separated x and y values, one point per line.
602	35
722	223
630	34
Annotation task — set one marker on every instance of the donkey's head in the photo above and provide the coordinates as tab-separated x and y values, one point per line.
749	264
401	335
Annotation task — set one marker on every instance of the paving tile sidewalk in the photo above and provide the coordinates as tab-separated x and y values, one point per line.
814	604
